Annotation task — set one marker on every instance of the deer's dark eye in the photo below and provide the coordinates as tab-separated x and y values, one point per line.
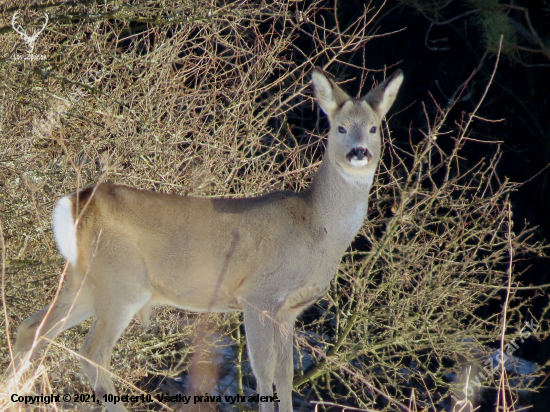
342	129
373	129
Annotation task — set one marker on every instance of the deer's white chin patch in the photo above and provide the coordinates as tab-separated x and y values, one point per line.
359	163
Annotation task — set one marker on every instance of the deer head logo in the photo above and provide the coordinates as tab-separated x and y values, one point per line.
30	40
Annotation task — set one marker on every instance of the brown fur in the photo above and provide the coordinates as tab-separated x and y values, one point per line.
269	256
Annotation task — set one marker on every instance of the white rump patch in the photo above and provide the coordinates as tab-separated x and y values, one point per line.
64	229
356	162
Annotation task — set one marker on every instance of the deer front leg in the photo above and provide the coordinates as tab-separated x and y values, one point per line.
259	329
284	372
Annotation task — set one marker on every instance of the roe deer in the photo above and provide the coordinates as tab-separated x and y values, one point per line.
270	256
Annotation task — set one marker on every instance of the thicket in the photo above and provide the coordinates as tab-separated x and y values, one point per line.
214	99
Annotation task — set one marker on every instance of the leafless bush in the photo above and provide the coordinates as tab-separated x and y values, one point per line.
209	100
414	308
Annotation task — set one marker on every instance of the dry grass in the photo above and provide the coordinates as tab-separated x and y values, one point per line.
210	100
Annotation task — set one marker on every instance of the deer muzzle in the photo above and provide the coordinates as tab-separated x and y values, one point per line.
359	156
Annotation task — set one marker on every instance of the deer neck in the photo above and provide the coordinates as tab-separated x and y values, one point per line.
339	202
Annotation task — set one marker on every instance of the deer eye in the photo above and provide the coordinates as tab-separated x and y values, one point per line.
342	129
373	129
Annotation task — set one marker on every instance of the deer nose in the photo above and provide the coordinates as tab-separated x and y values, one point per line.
359	153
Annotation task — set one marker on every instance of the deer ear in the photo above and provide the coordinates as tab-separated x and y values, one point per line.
383	96
329	95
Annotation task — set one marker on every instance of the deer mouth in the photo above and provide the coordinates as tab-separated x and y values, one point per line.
359	156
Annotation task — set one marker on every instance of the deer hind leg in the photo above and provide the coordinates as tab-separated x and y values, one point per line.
108	325
72	307
259	329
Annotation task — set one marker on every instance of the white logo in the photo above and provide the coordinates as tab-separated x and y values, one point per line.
30	40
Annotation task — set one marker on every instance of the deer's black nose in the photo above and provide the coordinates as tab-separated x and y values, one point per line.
359	153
